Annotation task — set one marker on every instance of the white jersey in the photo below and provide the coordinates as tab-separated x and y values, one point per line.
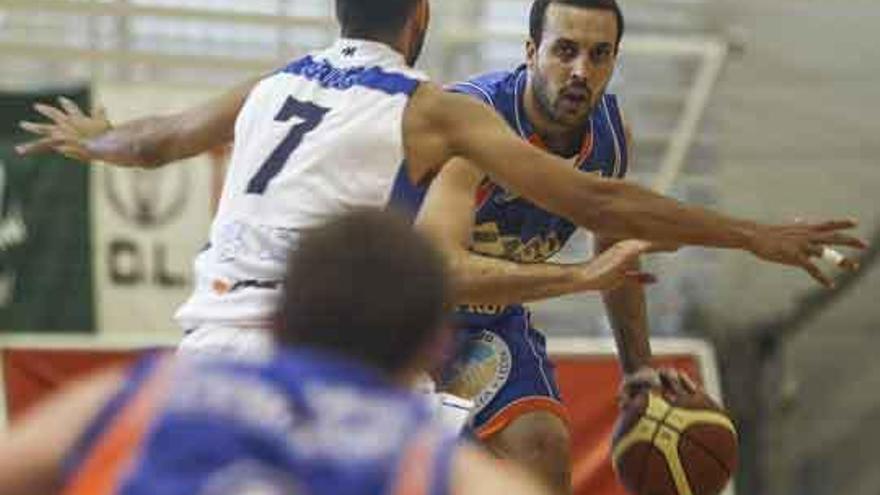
321	137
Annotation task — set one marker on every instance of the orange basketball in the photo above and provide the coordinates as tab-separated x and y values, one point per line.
674	445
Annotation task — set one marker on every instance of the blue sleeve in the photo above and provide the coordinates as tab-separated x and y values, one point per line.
136	376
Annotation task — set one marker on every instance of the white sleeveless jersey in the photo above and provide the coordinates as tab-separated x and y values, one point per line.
321	137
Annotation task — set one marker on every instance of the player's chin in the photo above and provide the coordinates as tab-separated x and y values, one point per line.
571	115
573	118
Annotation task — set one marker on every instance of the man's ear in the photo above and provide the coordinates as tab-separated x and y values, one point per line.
531	54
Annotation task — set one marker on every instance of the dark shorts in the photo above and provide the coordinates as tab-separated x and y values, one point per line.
501	364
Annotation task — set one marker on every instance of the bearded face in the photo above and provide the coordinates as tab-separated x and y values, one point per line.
571	67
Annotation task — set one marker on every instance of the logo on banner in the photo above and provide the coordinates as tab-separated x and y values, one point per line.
481	369
148	198
13	233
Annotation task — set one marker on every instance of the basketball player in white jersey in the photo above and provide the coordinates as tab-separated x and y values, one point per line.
328	134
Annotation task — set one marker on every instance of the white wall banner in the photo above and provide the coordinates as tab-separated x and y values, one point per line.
148	224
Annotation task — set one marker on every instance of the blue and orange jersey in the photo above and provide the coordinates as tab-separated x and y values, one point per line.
511	227
303	422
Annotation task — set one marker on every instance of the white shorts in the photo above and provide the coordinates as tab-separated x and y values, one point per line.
451	412
233	343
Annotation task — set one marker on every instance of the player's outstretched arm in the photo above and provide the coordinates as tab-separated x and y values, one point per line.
476	473
148	142
440	125
33	450
447	216
626	306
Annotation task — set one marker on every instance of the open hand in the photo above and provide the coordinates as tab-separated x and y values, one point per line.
797	243
617	265
67	132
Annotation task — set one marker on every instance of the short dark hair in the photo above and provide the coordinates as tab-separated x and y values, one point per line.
539	13
373	18
364	286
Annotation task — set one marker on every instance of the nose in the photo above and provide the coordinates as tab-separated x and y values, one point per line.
581	69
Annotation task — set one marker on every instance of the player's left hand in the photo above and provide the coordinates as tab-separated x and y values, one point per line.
67	131
797	243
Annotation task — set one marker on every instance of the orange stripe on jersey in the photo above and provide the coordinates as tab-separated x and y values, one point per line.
116	448
586	145
483	192
504	417
414	473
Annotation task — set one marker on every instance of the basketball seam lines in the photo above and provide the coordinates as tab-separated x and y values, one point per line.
708	453
644	471
684	435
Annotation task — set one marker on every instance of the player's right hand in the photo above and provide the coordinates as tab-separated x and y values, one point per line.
797	243
668	381
67	132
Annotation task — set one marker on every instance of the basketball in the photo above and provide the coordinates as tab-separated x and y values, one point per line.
674	445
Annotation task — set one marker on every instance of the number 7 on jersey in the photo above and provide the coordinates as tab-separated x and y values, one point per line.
312	116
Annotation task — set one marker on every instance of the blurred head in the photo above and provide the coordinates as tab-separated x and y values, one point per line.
366	286
571	54
401	23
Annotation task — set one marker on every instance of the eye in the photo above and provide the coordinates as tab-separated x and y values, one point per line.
566	50
601	53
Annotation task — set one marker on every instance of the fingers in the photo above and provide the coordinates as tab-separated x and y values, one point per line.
663	247
38	146
816	273
828	225
849	264
670	380
66	147
688	382
840	239
41	129
835	258
642	278
836	225
52	114
828	255
828	233
633	247
641	247
70	107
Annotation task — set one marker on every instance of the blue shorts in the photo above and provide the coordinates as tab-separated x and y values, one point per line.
500	363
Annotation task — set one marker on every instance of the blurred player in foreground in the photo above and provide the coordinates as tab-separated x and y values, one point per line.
327	414
328	133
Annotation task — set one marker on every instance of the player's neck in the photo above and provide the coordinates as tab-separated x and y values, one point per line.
559	139
397	43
